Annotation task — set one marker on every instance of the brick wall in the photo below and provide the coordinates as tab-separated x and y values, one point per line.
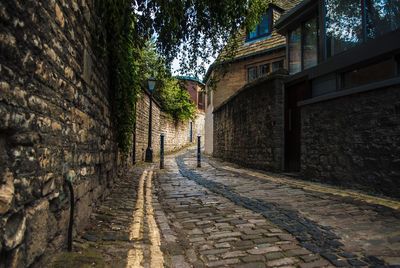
354	141
248	128
54	119
176	132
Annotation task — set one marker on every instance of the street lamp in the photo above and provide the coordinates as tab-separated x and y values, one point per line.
151	83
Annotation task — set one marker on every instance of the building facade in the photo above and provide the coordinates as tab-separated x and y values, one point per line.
335	115
343	95
260	52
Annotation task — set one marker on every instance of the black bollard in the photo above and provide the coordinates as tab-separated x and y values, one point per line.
198	151
161	151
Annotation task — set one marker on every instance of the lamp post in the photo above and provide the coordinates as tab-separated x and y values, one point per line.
151	83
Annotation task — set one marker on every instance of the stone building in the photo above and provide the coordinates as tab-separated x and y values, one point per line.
260	52
336	116
197	93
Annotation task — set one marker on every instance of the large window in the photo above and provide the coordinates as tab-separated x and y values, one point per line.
343	25
295	51
382	16
348	23
263	28
310	46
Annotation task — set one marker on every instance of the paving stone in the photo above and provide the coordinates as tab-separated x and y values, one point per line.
223	262
282	262
274	255
223	245
251	265
234	254
263	250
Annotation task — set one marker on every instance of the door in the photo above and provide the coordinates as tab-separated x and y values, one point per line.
293	95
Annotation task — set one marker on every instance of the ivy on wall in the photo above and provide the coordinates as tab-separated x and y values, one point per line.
198	28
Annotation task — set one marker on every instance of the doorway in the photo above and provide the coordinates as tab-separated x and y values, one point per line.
294	94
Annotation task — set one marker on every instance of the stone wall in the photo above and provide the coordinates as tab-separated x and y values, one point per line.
176	133
54	120
354	141
236	77
248	128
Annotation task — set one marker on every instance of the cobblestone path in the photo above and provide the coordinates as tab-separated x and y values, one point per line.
345	230
223	216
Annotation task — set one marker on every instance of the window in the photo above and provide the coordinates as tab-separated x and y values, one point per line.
371	73
348	23
263	28
264	69
295	51
252	74
310	46
303	46
382	16
277	65
343	25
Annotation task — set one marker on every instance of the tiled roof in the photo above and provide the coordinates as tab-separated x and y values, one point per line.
271	42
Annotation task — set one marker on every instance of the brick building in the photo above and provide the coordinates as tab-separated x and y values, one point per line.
260	52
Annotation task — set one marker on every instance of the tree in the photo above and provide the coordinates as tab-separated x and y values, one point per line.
173	98
197	27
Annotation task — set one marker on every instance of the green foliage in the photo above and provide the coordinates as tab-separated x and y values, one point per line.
194	28
173	98
120	44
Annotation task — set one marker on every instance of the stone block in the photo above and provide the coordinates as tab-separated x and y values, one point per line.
36	230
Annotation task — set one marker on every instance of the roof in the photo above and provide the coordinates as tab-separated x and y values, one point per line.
263	45
190	78
292	13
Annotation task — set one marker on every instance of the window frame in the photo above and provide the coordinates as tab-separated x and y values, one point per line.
270	19
364	38
248	73
313	15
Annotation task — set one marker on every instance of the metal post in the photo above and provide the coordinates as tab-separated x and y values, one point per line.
149	150
198	151
162	151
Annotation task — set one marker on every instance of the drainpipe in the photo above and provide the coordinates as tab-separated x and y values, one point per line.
69	178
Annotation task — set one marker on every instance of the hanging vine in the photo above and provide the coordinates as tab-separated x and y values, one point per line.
197	28
118	41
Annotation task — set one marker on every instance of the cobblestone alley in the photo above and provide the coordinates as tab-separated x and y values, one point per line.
223	216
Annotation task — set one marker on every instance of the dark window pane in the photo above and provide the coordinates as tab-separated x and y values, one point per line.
382	16
253	34
295	51
277	65
310	52
343	25
264	69
264	25
252	74
371	73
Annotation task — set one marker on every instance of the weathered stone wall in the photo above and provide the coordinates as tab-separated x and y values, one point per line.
248	128
354	141
176	133
54	119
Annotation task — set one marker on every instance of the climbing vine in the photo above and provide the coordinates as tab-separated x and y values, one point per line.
118	41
